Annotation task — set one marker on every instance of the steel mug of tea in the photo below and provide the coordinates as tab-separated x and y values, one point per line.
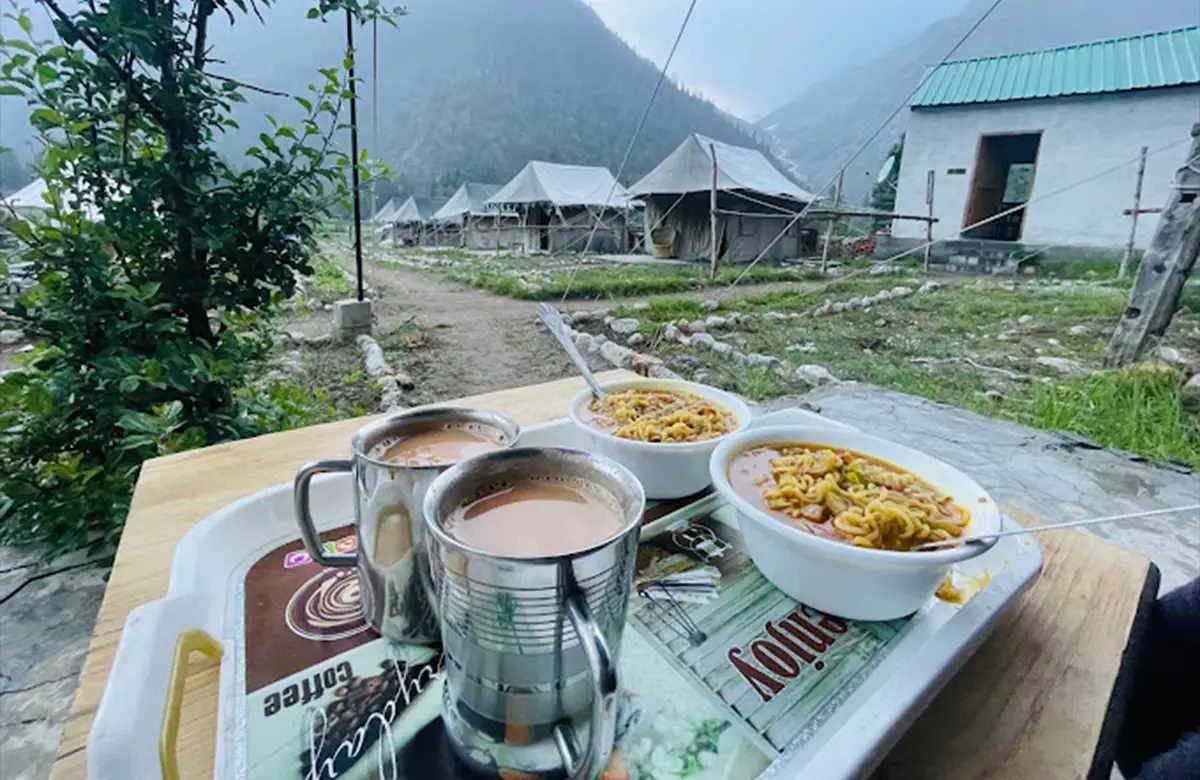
393	567
530	644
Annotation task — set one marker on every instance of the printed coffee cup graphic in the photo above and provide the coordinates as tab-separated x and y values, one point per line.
327	607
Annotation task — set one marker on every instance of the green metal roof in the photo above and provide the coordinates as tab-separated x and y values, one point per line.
1164	59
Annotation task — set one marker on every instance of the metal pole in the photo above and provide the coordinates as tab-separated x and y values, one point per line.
837	204
712	212
1127	258
929	225
358	256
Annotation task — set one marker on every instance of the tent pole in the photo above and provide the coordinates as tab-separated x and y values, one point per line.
712	212
837	203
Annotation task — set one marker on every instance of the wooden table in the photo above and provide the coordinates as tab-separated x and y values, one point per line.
1041	699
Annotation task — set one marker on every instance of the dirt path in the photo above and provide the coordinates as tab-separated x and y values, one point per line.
478	342
475	342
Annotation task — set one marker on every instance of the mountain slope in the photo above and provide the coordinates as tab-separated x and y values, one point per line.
818	131
474	89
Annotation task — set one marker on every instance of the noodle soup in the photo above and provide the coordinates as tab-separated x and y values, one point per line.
845	496
658	416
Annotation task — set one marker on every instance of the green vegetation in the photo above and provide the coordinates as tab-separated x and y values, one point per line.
332	285
159	264
965	346
544	278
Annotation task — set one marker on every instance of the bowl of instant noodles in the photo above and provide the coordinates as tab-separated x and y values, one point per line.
831	516
662	430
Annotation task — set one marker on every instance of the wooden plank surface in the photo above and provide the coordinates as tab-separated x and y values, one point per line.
1033	700
1031	703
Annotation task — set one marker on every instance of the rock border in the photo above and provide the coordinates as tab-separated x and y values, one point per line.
391	381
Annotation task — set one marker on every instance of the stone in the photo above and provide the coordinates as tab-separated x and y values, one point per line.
993	395
320	341
684	362
856	303
930	286
683	324
901	292
636	340
774	316
814	375
25	350
580	318
642	364
641	306
713	322
1002	337
1064	366
608	320
670	332
1054	342
583	341
883	295
1078	330
661	372
722	348
713	379
763	361
826	308
9	337
880	269
697	326
404	380
712	304
352	318
373	358
1171	355
297	337
625	326
1024	319
879	323
619	356
838	308
807	347
1189	396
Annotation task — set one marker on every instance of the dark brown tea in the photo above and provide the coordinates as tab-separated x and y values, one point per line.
438	447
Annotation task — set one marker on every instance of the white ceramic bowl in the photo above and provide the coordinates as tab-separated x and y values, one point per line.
665	470
835	577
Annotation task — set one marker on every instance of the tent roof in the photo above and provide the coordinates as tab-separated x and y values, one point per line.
385	213
416	209
28	197
689	169
562	185
470	198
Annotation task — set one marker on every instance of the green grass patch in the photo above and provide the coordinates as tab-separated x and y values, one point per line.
1138	411
331	284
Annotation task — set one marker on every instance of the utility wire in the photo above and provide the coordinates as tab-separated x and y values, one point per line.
870	139
662	76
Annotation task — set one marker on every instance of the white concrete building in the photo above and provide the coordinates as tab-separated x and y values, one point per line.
1060	129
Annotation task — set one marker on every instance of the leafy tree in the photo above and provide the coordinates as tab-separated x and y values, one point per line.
156	259
883	193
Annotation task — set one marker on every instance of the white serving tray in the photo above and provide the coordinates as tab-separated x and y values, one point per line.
203	593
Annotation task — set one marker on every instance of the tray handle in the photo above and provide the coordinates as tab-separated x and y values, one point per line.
136	697
196	640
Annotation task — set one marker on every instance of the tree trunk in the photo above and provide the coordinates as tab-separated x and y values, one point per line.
1165	266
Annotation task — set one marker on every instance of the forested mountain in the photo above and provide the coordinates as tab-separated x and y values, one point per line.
820	129
474	89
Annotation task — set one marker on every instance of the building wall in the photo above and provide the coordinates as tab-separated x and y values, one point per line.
1081	137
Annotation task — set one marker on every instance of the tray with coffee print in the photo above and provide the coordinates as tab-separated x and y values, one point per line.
723	676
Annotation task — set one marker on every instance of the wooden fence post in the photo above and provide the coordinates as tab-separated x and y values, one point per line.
1165	266
837	204
1126	258
929	225
712	213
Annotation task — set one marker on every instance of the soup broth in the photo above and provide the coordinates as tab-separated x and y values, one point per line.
845	496
439	447
537	518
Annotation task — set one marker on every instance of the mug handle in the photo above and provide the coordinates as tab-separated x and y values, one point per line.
604	696
301	500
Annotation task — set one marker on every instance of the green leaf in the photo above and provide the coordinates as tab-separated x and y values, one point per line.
8	89
46	115
130	384
45	73
313	13
305	103
26	24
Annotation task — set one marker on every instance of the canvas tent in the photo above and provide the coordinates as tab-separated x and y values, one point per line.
560	204
754	202
412	223
384	214
469	221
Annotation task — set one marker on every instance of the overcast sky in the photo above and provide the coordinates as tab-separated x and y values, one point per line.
751	56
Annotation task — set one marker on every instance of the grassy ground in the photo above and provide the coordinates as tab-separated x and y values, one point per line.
548	277
965	346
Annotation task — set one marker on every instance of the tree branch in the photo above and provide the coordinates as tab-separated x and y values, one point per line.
135	89
244	85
